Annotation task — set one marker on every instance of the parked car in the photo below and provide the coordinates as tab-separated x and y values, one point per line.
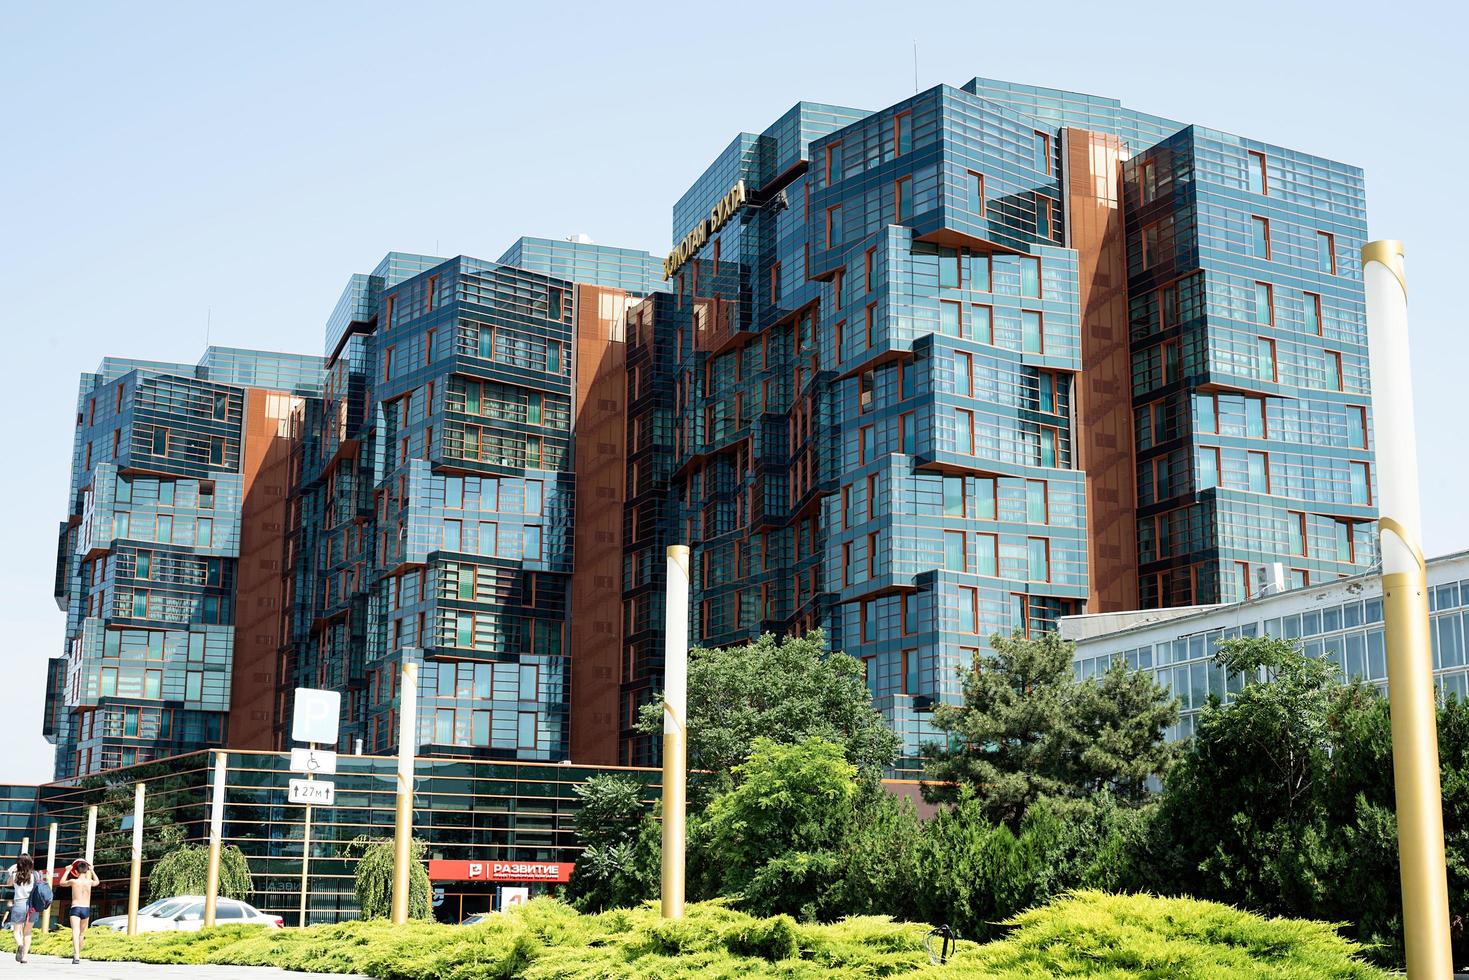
120	922
185	913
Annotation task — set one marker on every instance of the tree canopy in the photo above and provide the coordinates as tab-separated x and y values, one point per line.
1027	730
785	690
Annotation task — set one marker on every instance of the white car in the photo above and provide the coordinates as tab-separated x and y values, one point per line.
120	922
186	914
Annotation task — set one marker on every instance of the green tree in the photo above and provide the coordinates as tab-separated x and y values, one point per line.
619	864
784	690
774	839
1027	730
374	881
185	871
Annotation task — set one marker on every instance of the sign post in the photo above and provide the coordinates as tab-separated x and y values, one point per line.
314	719
403	819
135	877
675	729
216	833
91	831
50	877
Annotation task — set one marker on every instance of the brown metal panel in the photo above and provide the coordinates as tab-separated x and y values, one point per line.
1104	425
600	440
265	464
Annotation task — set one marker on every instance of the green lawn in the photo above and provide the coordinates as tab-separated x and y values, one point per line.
1088	934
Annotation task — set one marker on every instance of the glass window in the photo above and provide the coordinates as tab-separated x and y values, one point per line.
1048	446
525	736
834	229
193	686
984	498
981	323
903	132
1326	252
954	557
1333	370
976	193
1042	160
1264	306
1039	552
1032	337
1313	313
160	441
905	198
979	273
953	496
1260	229
1042	216
464	630
1259	472
1361	484
986	555
968	600
1356	427
1208	468
910	671
221	404
216	450
1035	501
948	267
205	536
949	319
1208	419
1255	417
164	531
1255	173
1030	277
144	565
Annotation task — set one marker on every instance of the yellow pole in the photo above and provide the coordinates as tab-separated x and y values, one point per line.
91	832
403	819
135	879
675	728
50	877
216	835
1411	698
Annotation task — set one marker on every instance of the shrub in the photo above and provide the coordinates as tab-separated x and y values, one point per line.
374	884
185	871
1083	934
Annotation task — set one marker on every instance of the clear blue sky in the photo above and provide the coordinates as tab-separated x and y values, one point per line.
165	160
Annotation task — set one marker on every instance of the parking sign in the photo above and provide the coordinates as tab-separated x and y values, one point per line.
316	715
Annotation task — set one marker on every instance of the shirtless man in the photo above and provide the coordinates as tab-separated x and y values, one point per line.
80	878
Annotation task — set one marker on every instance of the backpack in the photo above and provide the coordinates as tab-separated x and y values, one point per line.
40	892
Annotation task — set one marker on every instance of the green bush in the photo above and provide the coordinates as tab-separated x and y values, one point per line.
185	871
374	881
1087	934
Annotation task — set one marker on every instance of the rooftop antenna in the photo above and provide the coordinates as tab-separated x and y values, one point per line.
915	66
208	323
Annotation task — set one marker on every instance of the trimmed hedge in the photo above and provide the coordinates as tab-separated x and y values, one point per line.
1085	934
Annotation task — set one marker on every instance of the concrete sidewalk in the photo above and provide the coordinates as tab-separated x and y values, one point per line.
51	966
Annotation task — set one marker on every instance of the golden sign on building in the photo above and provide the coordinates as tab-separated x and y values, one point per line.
731	202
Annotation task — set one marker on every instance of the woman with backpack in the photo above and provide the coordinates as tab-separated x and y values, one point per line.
22	878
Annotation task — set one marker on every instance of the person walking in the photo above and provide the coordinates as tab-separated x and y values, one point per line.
22	878
80	878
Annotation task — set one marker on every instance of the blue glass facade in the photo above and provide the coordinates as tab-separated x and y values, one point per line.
149	557
985	358
888	363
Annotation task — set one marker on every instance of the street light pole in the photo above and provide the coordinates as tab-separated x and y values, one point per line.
216	833
1411	698
135	877
675	728
403	819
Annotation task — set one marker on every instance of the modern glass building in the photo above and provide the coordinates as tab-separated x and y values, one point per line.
169	562
1340	621
990	357
986	358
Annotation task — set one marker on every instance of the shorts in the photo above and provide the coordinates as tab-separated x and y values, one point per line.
20	915
79	912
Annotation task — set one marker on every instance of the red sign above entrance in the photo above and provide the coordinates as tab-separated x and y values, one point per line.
500	870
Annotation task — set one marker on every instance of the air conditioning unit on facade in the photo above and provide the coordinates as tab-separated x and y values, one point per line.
1269	579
